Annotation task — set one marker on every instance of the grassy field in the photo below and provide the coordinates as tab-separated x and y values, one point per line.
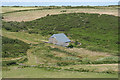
23	36
9	9
16	72
35	14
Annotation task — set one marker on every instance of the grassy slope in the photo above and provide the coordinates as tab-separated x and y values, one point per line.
35	57
41	73
95	32
56	50
23	36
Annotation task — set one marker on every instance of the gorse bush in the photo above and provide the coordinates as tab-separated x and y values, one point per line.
70	46
14	26
8	63
13	47
65	63
14	62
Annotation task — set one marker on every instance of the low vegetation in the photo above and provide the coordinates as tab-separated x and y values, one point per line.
95	32
16	72
13	48
51	55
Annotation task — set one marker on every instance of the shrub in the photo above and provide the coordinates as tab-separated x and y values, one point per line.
70	46
76	42
48	15
63	11
64	63
2	17
8	63
32	31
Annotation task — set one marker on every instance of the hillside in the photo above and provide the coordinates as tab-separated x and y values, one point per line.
25	48
51	58
95	32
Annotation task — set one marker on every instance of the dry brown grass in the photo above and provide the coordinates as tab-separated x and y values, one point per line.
95	67
32	15
93	55
9	9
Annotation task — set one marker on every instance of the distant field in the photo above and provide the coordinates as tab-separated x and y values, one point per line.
35	14
9	9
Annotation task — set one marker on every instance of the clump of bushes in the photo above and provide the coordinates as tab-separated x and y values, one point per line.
70	46
8	63
79	70
13	47
33	31
2	17
63	11
14	62
64	63
14	26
